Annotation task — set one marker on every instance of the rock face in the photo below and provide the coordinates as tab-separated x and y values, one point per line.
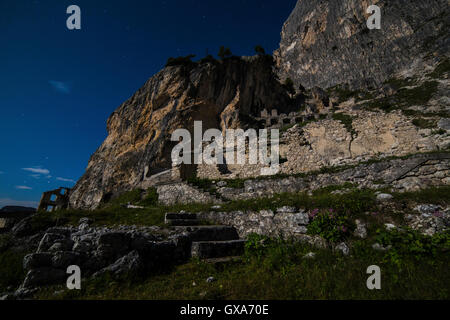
221	94
326	43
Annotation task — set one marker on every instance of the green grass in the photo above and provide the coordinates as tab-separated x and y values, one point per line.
352	203
419	95
399	83
344	94
406	97
435	195
415	268
275	269
11	270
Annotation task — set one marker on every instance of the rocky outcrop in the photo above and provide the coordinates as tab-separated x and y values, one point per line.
221	94
326	43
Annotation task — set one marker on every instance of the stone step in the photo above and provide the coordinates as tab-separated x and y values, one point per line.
182	222
217	249
212	233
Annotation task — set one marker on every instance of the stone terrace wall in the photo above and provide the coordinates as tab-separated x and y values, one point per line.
287	222
170	194
416	172
328	142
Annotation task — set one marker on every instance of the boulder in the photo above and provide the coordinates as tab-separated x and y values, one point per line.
61	245
48	240
118	242
130	264
43	276
384	197
444	124
82	246
361	230
37	260
343	248
63	259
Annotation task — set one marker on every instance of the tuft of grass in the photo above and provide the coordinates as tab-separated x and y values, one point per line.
400	82
11	269
133	196
151	198
424	123
435	195
419	95
406	97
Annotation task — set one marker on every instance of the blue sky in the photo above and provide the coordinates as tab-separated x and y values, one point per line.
59	86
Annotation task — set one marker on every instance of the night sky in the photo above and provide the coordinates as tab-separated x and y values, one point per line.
59	86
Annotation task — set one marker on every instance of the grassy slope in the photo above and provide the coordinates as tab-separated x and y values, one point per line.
416	267
280	273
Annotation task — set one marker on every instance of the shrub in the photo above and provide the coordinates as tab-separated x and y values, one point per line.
423	123
180	61
289	86
224	52
208	59
256	245
329	224
151	197
410	243
260	50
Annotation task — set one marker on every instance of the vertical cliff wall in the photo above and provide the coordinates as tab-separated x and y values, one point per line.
326	43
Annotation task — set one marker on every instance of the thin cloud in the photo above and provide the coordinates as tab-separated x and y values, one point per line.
23	188
65	180
37	170
1	172
60	86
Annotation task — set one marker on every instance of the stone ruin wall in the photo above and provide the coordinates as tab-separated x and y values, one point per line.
411	174
328	143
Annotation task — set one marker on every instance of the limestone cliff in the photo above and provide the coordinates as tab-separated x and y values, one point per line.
326	43
221	94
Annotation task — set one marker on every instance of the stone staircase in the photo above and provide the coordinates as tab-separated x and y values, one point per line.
208	241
